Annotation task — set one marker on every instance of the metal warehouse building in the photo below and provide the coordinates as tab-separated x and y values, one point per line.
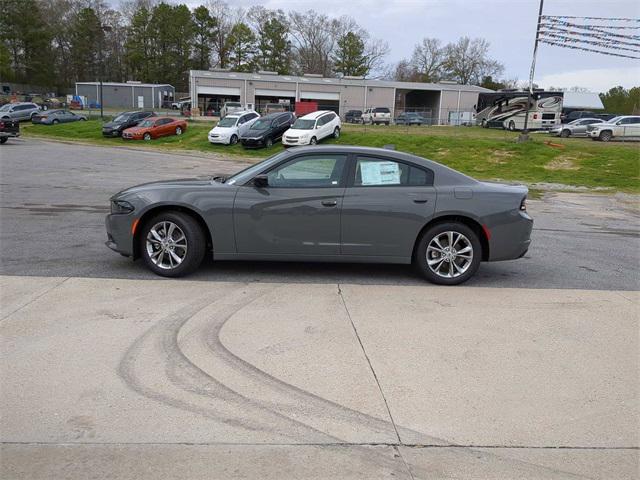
441	101
134	95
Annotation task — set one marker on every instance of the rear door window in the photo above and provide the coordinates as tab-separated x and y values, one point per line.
376	172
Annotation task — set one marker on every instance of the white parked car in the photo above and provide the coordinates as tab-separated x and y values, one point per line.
229	130
626	126
376	116
312	128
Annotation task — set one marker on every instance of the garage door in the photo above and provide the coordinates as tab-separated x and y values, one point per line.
319	96
266	92
234	91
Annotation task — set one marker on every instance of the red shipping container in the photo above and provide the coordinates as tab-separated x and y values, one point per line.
302	108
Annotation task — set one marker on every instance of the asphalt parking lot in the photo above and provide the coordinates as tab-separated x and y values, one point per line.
267	370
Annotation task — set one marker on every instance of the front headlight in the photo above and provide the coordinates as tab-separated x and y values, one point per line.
121	206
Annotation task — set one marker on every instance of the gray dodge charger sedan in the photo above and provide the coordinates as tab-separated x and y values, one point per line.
330	204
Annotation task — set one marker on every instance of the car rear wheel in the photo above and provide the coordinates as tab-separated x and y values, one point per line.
512	126
313	141
172	244
605	136
336	132
3	140
233	140
147	136
565	133
448	253
178	131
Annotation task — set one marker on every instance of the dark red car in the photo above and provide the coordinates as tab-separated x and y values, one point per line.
154	127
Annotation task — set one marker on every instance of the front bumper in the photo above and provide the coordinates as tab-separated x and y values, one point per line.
252	142
221	140
110	133
119	234
292	142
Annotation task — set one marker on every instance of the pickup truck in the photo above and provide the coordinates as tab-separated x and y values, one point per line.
376	115
9	128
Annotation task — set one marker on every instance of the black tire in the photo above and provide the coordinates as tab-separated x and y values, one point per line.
196	243
233	140
420	258
483	123
178	130
565	133
605	136
268	142
336	132
3	140
55	122
512	126
146	136
313	141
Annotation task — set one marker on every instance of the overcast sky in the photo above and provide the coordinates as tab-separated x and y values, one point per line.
508	24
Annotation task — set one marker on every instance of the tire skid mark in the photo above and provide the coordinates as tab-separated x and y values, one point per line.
188	377
236	410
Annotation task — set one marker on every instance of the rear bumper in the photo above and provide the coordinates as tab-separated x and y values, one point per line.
511	238
119	236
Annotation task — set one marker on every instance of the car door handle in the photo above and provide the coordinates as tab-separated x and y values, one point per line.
420	200
329	203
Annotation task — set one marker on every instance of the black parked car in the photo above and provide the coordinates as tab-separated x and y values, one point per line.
353	116
576	115
9	128
121	122
267	130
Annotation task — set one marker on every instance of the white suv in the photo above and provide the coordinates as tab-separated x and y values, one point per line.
618	127
376	115
229	130
312	128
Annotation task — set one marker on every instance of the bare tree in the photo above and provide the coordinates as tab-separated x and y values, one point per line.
313	38
226	18
428	60
468	62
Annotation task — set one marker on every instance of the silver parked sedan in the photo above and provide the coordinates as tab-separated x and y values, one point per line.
577	128
330	203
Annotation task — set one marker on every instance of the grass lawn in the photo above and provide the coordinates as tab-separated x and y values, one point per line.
482	153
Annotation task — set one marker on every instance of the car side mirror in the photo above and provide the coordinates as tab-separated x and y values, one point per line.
261	181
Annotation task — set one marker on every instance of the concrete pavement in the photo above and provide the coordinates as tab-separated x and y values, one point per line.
111	378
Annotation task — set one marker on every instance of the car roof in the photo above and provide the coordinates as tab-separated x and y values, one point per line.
273	115
316	114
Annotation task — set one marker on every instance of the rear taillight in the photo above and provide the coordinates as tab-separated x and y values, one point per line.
523	205
1	124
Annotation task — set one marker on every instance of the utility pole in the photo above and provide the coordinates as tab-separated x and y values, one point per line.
524	136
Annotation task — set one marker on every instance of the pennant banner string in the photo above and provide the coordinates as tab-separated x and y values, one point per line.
575	47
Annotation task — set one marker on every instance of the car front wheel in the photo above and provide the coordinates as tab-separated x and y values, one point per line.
605	136
448	253
147	136
268	142
172	244
233	140
565	133
313	141
178	131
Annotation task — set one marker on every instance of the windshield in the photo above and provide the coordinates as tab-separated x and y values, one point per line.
123	117
613	120
244	175
228	122
302	124
5	108
261	125
146	123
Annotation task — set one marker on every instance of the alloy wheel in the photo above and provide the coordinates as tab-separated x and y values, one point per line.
178	131
449	254
166	245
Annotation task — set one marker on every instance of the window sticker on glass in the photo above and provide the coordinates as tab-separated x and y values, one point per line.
380	173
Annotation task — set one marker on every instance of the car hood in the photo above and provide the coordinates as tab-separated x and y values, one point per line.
177	183
137	129
299	132
113	125
223	130
251	133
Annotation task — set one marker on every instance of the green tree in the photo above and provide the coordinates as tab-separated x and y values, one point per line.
273	48
87	43
242	47
350	58
25	36
139	53
205	32
621	101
